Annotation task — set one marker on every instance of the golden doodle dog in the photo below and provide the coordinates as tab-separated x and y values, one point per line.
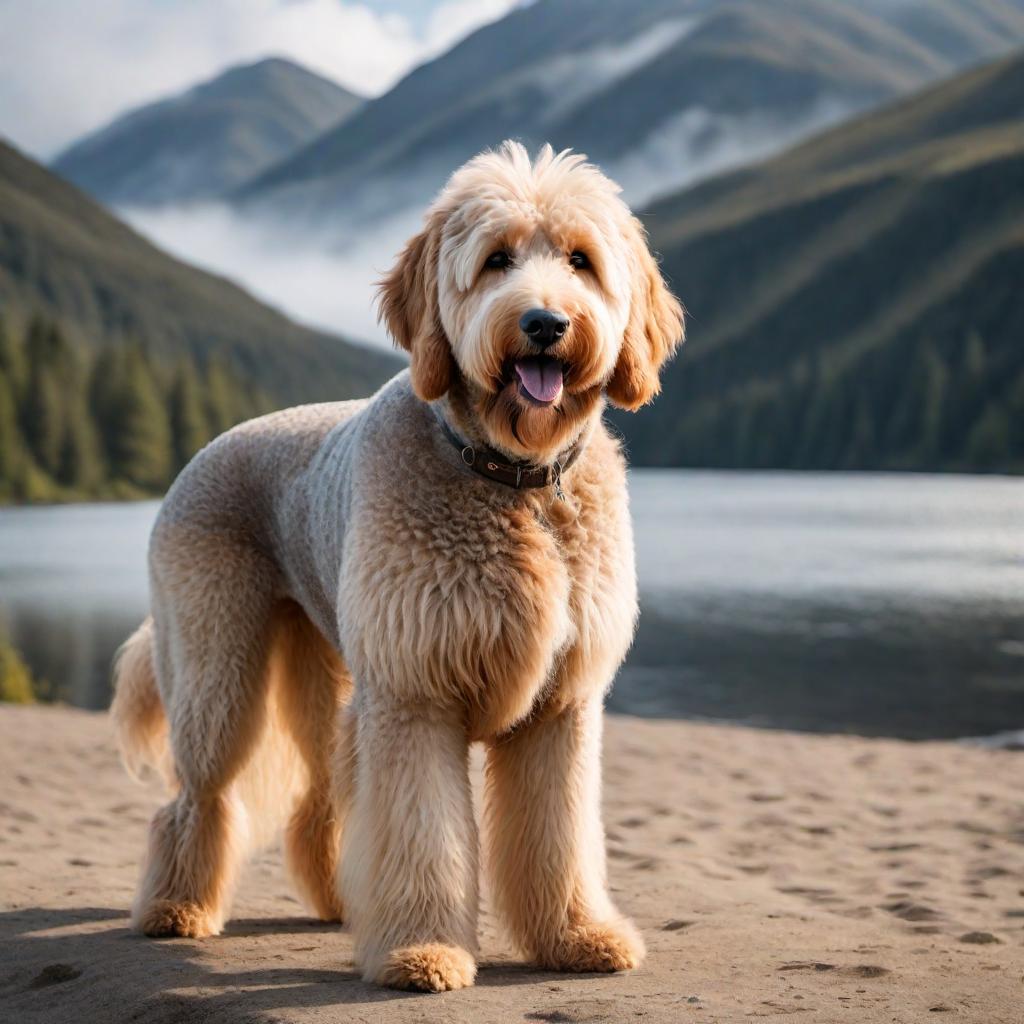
346	596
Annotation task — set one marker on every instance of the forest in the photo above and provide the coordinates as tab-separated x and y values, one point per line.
108	423
921	407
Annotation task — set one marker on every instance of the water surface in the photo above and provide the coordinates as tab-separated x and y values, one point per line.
881	605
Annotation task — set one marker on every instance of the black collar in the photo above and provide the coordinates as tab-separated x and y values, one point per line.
495	466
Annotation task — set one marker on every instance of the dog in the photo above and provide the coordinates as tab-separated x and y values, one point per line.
346	596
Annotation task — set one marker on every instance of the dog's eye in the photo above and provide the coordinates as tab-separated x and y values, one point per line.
579	260
498	261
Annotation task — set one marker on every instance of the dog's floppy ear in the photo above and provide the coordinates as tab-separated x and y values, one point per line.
408	305
655	329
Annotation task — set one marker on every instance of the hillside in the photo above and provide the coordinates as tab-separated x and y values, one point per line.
659	93
208	140
66	258
855	302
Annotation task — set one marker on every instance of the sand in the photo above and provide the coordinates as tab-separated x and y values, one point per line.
773	874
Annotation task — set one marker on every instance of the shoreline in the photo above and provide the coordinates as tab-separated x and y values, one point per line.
1007	741
1012	476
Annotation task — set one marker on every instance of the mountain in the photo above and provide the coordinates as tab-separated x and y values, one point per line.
660	93
209	139
855	302
65	257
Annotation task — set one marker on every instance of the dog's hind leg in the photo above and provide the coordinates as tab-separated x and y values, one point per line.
312	686
213	598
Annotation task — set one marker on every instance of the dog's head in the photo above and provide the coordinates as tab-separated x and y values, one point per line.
530	293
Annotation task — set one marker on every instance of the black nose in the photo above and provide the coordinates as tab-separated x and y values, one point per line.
543	326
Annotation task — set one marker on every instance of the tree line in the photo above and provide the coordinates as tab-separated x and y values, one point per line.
916	405
106	424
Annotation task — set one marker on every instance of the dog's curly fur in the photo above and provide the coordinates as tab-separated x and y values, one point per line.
341	607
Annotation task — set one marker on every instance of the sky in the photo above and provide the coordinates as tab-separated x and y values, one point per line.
69	66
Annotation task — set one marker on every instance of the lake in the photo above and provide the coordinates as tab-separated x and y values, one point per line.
887	605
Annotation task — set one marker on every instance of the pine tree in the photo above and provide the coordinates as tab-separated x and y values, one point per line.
53	381
42	415
807	452
81	467
222	411
988	443
934	410
133	418
763	441
12	446
103	382
860	452
12	362
189	427
741	424
965	402
831	416
791	408
975	357
44	341
1015	415
899	434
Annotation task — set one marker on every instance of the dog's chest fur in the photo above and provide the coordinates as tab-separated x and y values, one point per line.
504	602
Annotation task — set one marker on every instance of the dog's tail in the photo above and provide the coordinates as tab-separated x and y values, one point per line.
140	723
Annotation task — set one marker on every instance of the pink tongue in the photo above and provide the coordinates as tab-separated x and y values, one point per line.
541	377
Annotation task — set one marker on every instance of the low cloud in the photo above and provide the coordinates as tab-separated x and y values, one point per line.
296	271
696	143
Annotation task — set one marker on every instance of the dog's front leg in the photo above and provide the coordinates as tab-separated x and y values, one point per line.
546	845
409	865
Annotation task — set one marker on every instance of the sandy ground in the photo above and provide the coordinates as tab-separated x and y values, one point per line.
772	874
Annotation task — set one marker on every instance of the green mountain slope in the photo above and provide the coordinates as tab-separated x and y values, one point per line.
208	140
855	302
65	257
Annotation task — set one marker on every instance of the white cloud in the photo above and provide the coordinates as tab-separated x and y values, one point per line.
66	66
454	19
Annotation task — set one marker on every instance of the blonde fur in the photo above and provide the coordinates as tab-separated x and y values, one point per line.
137	713
341	608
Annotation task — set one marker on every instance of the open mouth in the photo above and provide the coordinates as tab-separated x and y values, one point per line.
540	378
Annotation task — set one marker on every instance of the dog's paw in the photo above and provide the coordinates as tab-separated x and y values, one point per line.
166	919
601	946
431	967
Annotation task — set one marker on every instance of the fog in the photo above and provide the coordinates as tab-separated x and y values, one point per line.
695	144
325	282
572	78
321	270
